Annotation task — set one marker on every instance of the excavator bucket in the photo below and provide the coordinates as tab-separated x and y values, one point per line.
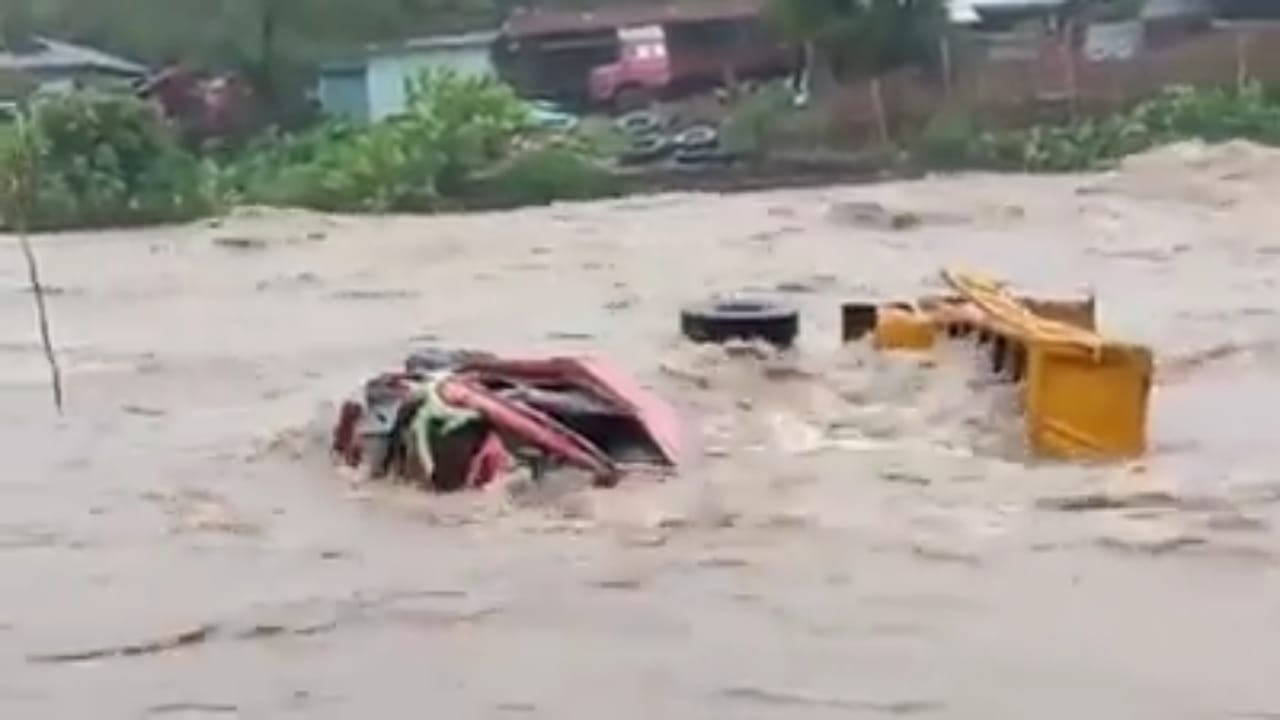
1084	397
1087	406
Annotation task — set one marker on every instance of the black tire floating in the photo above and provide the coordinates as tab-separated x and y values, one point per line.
720	321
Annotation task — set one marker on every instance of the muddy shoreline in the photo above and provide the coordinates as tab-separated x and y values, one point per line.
779	172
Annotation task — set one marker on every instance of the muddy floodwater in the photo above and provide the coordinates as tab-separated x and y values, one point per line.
854	536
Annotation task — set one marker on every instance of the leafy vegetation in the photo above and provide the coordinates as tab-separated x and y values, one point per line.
111	160
542	175
754	119
103	160
1179	113
107	160
843	38
268	39
453	128
17	170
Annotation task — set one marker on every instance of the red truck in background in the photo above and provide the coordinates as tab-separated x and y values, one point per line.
626	54
203	107
657	61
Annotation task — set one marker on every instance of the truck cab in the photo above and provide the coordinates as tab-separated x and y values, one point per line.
641	73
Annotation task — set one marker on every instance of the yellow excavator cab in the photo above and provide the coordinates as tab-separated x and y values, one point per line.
902	327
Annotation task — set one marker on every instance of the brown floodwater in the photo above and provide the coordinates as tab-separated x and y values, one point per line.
854	536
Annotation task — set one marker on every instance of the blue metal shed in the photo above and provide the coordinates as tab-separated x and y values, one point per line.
375	85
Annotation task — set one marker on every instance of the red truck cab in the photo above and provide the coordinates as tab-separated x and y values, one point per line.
656	60
641	73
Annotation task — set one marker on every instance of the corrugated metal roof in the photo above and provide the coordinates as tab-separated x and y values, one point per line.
56	55
530	23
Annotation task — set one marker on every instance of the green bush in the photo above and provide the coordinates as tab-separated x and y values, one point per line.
947	141
541	176
753	121
452	128
379	168
476	119
106	160
1179	113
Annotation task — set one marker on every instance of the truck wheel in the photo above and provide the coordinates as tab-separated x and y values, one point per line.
719	321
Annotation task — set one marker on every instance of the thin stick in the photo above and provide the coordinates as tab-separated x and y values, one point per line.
23	190
877	104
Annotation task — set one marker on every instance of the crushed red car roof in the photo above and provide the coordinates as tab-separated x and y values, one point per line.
531	23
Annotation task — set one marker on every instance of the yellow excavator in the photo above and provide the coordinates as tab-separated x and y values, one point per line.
1084	397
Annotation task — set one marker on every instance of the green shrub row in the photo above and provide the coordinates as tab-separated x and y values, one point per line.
463	143
104	161
954	141
109	160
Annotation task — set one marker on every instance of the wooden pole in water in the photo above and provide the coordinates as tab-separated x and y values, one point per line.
944	49
19	191
877	105
1242	58
1073	90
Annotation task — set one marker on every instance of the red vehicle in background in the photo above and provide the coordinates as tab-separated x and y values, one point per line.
623	56
220	107
656	61
643	70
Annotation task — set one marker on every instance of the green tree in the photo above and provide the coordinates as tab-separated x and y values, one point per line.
15	24
847	38
230	33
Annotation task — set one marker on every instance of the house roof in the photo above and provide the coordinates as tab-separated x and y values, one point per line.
531	23
482	38
962	12
53	55
357	59
1015	5
528	23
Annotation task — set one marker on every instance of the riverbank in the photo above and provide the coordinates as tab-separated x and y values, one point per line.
469	146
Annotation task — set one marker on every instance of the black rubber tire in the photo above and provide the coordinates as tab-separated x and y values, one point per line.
640	123
648	149
697	137
720	321
702	158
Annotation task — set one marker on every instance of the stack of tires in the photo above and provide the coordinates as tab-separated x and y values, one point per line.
652	140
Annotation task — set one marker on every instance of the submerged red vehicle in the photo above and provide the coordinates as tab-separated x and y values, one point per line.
456	420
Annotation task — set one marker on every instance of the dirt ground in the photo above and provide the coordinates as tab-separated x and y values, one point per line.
853	537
